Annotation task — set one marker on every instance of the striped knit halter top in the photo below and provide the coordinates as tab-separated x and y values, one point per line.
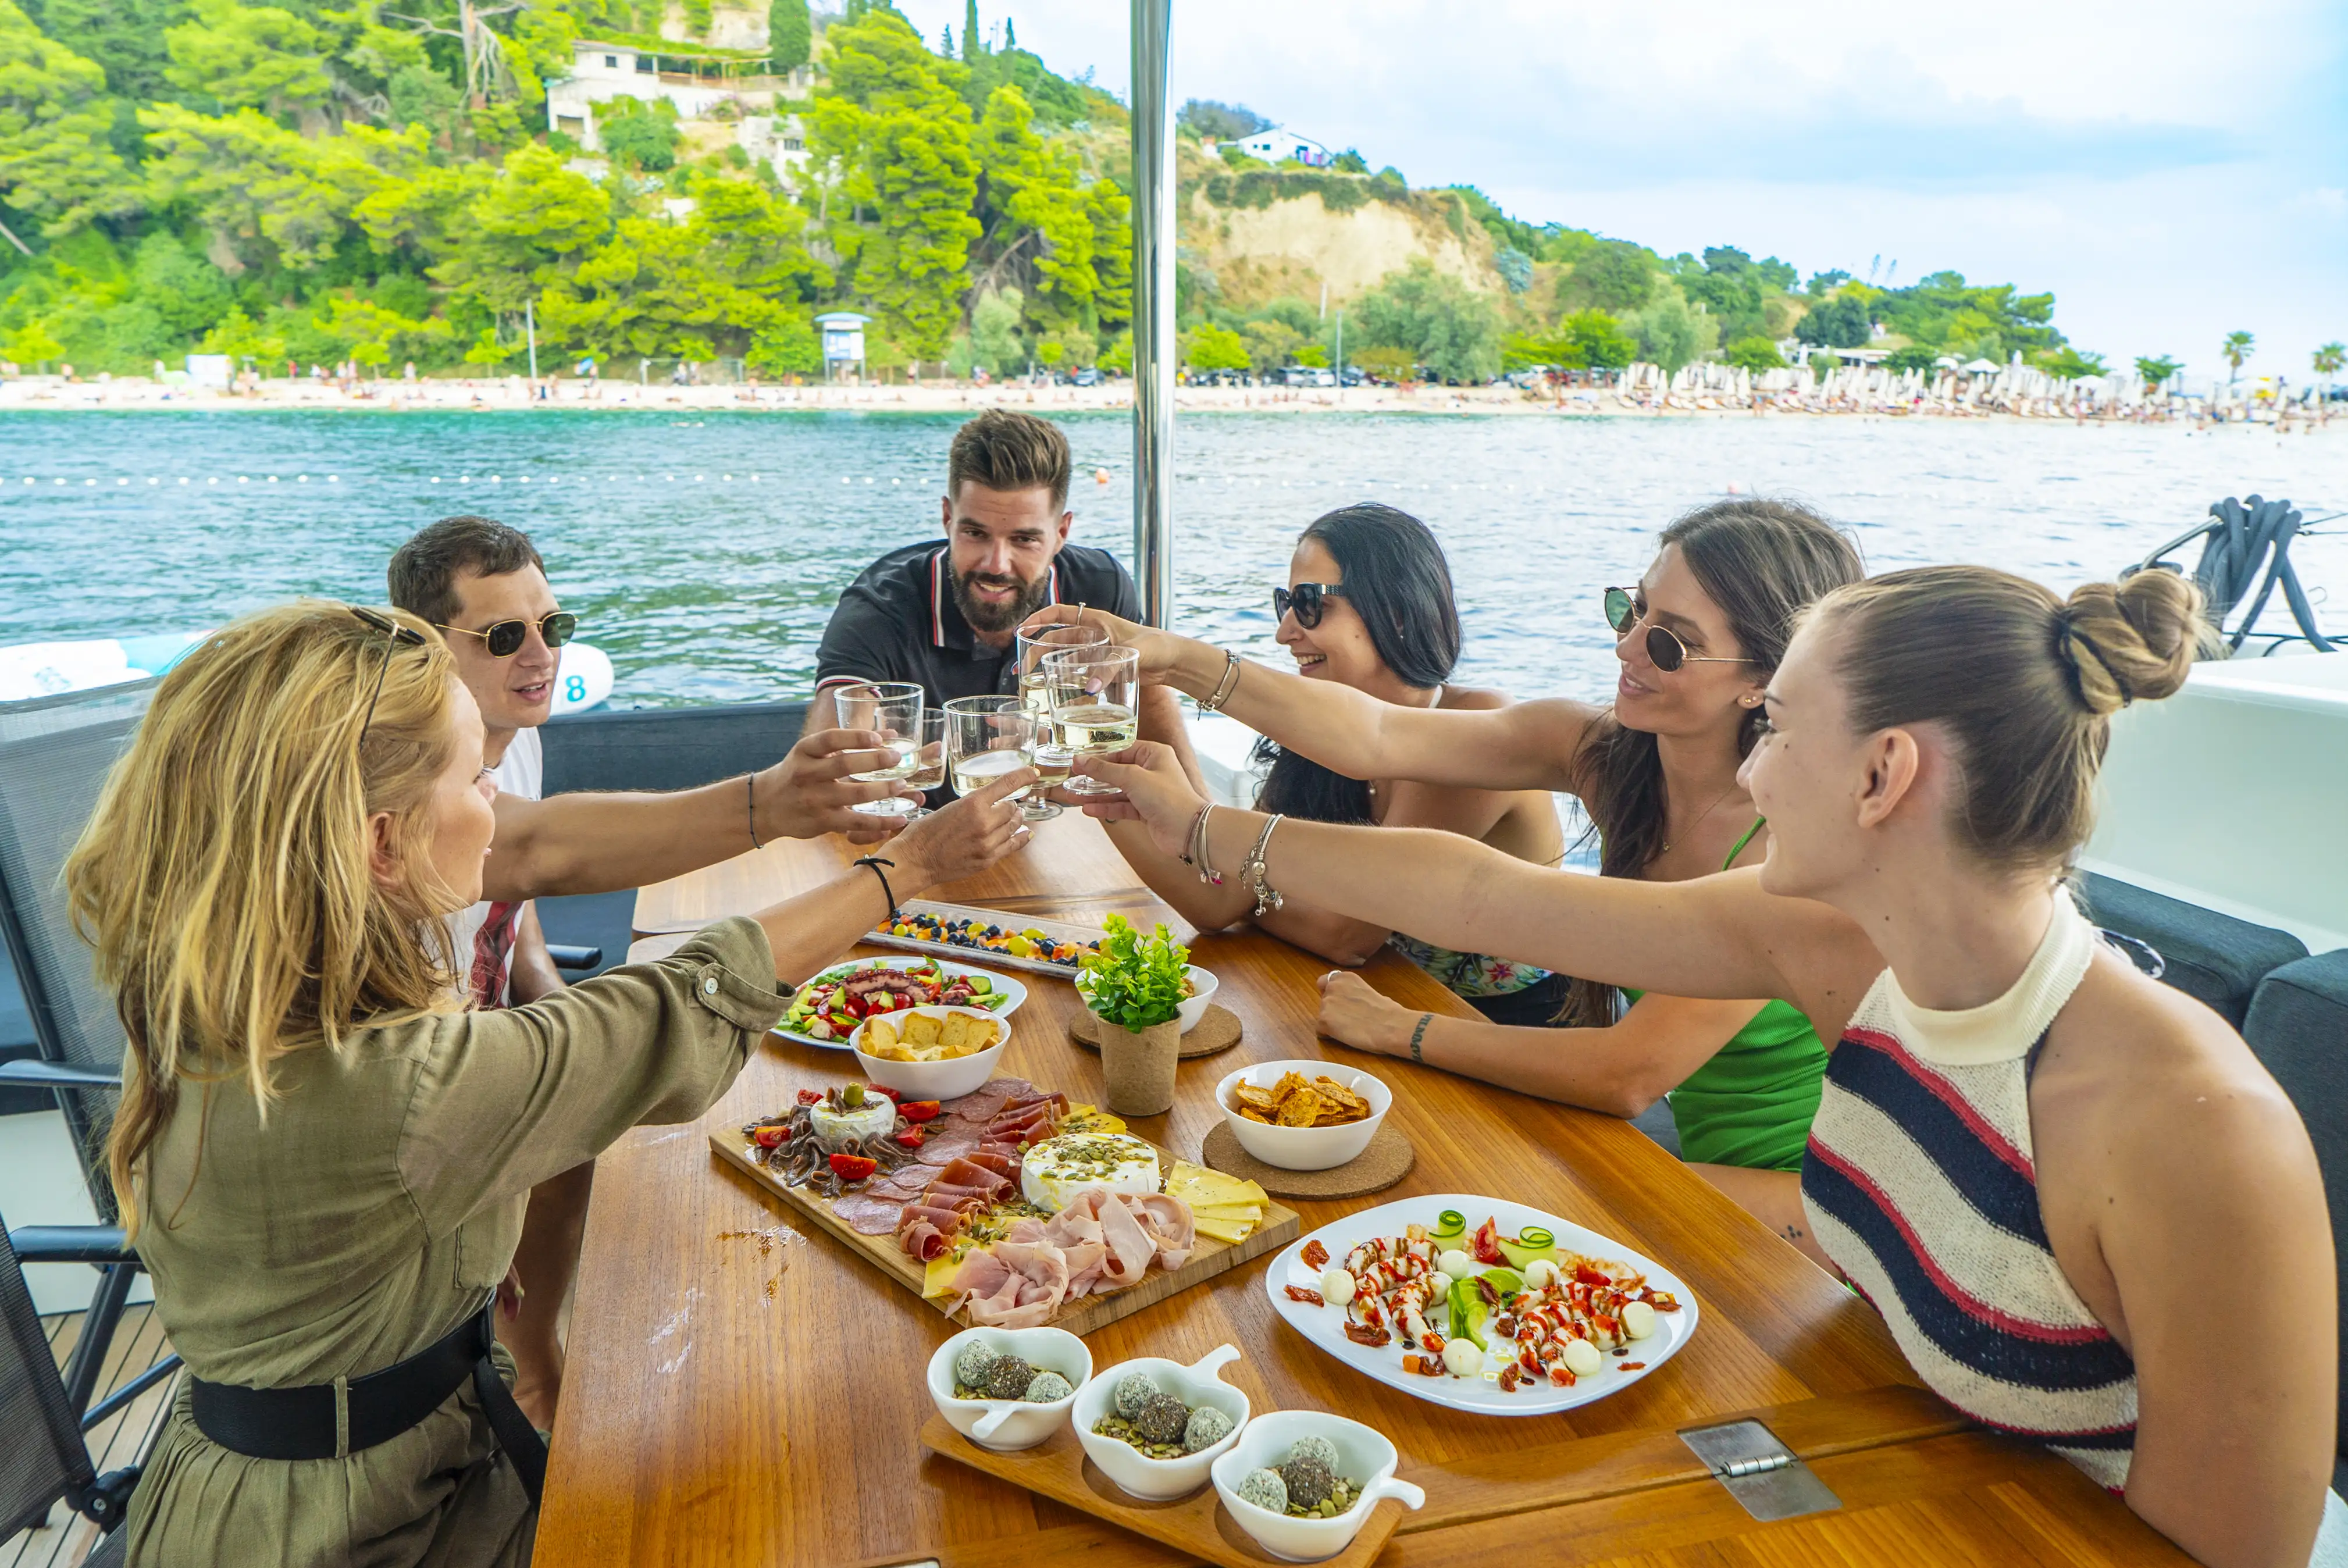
1921	1184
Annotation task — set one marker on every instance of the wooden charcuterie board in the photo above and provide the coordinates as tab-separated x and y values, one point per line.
1198	1524
1210	1257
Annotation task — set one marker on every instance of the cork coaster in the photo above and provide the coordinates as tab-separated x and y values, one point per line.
1386	1161
1218	1030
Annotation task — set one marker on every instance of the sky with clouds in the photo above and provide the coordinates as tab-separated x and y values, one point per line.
2173	171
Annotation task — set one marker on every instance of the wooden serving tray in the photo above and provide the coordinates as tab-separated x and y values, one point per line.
1198	1524
988	958
1280	1227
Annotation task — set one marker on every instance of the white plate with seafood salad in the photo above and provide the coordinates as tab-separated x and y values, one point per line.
826	1009
1481	1304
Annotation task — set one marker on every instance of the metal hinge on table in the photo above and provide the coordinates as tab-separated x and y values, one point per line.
1759	1471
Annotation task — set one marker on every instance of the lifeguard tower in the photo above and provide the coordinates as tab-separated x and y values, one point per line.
843	341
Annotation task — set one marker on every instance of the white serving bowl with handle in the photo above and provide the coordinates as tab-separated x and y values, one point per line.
1161	1481
1203	985
1304	1148
931	1080
1007	1425
1364	1456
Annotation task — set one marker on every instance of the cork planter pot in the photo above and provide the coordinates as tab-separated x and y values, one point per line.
1138	1065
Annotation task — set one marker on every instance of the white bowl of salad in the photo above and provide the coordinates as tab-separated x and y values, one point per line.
828	1007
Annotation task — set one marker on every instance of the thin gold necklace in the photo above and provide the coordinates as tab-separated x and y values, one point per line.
1708	810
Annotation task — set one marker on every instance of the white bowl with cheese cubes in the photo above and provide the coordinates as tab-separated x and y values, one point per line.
1304	1148
930	1053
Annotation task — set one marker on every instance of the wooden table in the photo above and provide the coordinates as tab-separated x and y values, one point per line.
742	1392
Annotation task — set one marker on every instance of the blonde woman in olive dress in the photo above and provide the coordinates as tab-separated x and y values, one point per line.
321	1158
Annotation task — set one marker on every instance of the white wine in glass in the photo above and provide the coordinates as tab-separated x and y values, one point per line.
893	709
930	762
1095	695
987	737
1052	759
972	774
1097	727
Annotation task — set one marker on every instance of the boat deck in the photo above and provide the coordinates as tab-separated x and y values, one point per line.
138	1343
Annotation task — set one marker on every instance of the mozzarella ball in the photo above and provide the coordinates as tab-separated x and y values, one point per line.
1336	1288
1638	1319
1463	1357
1581	1358
1456	1263
1540	1274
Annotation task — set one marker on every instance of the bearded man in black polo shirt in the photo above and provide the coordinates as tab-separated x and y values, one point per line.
947	615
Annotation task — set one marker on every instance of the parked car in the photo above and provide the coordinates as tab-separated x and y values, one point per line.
1307	376
1089	376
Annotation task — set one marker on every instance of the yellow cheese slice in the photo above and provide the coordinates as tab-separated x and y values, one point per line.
1225	1210
1226	1230
1189	1180
937	1280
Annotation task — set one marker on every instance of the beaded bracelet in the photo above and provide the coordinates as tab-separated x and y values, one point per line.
1252	874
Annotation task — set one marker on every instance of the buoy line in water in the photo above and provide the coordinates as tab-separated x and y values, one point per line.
122	481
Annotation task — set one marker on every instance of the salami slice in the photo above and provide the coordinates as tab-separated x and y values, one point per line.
868	1215
978	1105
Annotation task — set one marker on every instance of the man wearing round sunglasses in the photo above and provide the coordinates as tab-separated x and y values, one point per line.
484	585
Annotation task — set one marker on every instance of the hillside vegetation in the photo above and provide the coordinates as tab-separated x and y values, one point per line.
306	182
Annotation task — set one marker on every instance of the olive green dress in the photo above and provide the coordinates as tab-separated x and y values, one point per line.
380	1205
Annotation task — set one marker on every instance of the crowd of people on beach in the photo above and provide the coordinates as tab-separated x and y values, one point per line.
1833	812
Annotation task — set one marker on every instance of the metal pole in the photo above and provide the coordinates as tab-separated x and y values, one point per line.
1153	313
530	326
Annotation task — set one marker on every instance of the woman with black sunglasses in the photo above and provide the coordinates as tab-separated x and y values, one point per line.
1368	608
1697	638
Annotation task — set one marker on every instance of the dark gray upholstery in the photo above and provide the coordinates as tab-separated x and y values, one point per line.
54	753
2298	1025
43	1453
2212	957
1658	1123
598	920
666	749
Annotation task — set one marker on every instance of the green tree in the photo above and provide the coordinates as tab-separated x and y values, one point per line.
124	37
994	332
1436	319
972	44
1914	356
256	185
1614	275
2070	364
1754	353
2327	362
1216	347
790	37
1033	214
787	346
528	230
1671	334
1599	340
1269	345
1839	321
55	160
640	137
32	344
2156	369
241	339
256	57
2238	347
889	136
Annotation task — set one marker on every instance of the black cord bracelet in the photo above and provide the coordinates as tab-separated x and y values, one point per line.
750	807
876	862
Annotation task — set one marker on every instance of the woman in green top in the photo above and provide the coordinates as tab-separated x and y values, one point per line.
1656	768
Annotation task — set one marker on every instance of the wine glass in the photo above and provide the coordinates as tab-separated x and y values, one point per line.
1051	754
987	737
893	709
929	760
1095	694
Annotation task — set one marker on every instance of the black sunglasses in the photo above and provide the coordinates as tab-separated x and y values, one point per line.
1623	612
505	639
1306	599
401	636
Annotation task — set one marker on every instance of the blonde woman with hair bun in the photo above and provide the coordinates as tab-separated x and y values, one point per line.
321	1157
2069	1189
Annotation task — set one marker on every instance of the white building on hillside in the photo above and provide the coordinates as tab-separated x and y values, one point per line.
602	72
1279	143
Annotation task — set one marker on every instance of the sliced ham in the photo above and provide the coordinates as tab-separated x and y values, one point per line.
945	1218
1169	1223
1127	1246
996	1295
946	1195
923	1241
1004	1165
969	1172
1042	1266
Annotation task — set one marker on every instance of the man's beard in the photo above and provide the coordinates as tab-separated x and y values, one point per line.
986	617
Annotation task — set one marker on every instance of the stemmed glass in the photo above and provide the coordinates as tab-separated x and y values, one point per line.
1051	753
893	709
1095	694
987	737
929	760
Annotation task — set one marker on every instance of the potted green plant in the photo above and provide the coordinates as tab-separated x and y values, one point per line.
1134	985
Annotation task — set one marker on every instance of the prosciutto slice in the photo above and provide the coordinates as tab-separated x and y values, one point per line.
1169	1223
944	1219
946	1195
968	1172
998	1295
1004	1165
923	1241
1126	1247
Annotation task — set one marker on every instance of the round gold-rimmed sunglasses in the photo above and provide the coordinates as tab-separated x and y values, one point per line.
1623	614
505	639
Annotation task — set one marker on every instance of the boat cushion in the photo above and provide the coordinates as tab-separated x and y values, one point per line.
2298	1025
666	749
2211	957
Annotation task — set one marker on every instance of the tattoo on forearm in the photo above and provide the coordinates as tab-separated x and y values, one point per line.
1793	1232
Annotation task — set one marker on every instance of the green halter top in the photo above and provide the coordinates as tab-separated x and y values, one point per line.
1751	1103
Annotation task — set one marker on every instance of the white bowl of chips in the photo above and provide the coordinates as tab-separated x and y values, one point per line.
1333	1125
930	1053
1203	985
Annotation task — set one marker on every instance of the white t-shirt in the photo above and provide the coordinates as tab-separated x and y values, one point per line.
484	933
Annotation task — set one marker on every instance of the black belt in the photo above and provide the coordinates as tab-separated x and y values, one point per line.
300	1423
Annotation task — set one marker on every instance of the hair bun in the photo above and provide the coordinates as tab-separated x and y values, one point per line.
2132	639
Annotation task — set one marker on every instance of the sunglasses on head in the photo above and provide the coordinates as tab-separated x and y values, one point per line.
505	639
399	637
1623	612
1306	599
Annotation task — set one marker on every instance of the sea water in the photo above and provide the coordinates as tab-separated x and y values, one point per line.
703	552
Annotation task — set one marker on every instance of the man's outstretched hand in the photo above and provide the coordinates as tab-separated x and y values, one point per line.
810	793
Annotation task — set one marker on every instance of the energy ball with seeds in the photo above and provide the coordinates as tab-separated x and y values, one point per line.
1309	1481
1162	1420
1134	1390
1264	1489
1048	1387
1320	1449
972	1365
1008	1378
1207	1428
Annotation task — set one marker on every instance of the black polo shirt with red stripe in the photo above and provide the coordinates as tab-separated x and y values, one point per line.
899	622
